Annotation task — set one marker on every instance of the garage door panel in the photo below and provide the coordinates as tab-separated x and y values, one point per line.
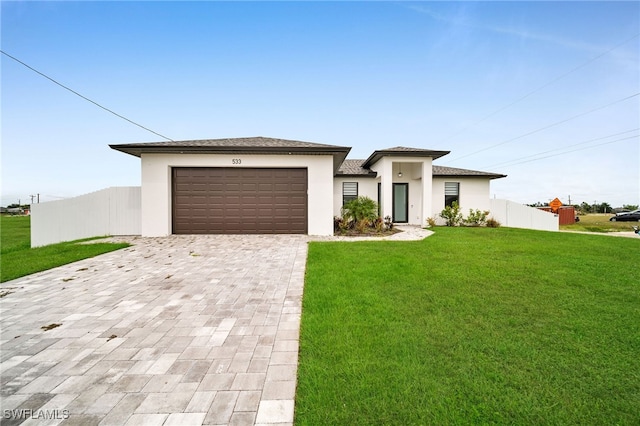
283	173
264	200
251	187
249	212
238	201
215	187
298	187
282	187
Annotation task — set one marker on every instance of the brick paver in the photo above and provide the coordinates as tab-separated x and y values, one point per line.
179	330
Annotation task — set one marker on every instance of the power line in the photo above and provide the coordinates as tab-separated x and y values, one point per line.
560	77
574	150
547	127
84	97
560	149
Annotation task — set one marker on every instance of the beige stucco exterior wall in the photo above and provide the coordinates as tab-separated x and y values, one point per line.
156	185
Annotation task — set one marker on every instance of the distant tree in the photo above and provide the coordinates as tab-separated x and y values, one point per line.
630	206
585	207
605	208
537	204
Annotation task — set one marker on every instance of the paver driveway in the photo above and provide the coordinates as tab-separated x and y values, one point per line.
179	330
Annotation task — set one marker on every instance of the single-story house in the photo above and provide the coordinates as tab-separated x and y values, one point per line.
264	185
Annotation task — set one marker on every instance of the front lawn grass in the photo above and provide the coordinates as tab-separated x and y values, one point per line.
471	326
18	259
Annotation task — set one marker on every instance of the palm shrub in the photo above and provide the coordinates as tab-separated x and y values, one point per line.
362	211
451	214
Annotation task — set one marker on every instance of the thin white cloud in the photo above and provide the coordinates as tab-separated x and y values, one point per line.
522	33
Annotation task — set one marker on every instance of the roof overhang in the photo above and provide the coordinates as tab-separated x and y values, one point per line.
377	155
454	172
370	174
484	175
339	153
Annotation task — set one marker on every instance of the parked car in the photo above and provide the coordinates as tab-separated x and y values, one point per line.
633	216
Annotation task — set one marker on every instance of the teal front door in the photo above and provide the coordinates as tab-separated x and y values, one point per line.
400	202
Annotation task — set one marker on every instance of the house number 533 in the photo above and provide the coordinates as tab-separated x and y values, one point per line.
236	161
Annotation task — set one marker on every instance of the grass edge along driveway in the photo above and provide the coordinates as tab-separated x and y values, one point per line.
471	325
18	259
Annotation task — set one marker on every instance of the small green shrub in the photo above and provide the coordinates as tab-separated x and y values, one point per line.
451	214
476	218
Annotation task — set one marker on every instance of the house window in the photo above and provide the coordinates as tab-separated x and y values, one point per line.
451	193
349	191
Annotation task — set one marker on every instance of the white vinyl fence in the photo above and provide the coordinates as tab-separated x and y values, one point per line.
515	215
111	211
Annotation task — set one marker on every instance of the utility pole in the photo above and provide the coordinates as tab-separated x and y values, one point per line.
38	198
569	199
32	197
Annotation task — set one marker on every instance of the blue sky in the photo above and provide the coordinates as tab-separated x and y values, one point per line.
499	84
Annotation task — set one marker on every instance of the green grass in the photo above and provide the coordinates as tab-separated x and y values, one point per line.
599	222
471	326
18	259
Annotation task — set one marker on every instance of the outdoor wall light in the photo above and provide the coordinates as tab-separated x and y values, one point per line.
400	172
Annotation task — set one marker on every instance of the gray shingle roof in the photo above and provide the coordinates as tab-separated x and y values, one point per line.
263	145
252	145
454	171
403	151
252	142
354	168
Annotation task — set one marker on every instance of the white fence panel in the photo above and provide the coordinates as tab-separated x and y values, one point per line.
125	216
111	211
515	215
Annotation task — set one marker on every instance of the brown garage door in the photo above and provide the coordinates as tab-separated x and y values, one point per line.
239	201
